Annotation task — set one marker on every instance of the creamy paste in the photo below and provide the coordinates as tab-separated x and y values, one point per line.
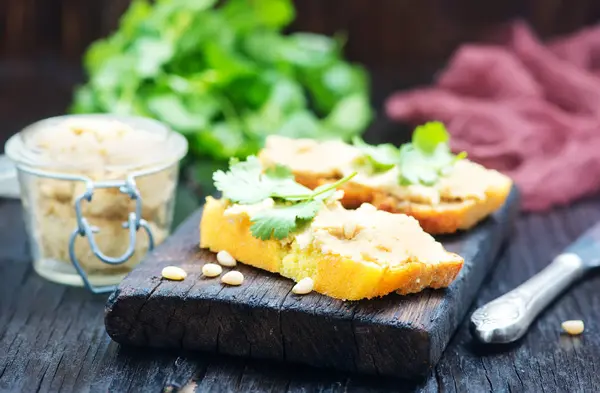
365	234
100	150
327	158
466	180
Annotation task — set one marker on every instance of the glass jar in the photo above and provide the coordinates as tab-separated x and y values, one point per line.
97	191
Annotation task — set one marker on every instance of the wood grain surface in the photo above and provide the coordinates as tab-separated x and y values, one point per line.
52	338
400	336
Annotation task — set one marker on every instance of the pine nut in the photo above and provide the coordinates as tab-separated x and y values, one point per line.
303	286
573	327
225	259
233	278
350	230
212	270
174	273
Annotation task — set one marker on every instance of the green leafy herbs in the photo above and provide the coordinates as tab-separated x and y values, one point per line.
380	158
245	183
224	75
428	156
279	221
423	161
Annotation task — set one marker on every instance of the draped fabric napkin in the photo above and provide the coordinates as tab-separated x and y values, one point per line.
528	109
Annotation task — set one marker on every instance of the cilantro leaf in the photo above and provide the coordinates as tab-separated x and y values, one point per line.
280	221
246	183
283	183
380	158
428	157
243	183
429	136
287	188
423	161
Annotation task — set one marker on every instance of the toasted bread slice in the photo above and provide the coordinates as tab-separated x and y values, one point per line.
349	254
457	201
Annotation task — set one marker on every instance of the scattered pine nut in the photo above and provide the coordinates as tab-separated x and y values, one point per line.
573	327
212	270
174	273
303	286
232	278
225	259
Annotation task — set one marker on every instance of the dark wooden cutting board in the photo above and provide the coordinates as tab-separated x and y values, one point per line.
401	336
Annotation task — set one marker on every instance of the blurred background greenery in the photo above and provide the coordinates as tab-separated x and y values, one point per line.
225	77
228	77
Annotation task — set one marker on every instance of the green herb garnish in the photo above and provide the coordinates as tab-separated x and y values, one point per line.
423	161
379	158
295	205
428	156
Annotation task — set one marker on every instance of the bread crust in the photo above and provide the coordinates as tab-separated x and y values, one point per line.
443	218
333	275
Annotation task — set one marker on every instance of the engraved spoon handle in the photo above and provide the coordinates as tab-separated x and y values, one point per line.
507	318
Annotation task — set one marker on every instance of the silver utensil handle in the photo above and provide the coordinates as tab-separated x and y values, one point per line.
507	318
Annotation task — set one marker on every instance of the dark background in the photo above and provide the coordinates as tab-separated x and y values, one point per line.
402	42
403	34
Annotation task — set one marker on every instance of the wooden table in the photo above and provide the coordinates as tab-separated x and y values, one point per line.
52	338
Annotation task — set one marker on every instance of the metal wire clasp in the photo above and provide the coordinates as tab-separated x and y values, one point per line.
84	229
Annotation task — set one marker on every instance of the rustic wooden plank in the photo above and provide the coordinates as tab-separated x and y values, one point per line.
395	335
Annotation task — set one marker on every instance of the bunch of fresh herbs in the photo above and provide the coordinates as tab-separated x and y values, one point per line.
224	75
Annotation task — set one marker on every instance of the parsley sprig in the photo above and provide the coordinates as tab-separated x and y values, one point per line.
246	183
422	161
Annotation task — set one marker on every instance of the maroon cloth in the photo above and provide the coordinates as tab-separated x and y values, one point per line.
525	108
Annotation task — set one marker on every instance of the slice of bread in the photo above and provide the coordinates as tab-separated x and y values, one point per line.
456	202
349	254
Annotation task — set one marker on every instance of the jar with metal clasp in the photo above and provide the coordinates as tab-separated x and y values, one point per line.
98	193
